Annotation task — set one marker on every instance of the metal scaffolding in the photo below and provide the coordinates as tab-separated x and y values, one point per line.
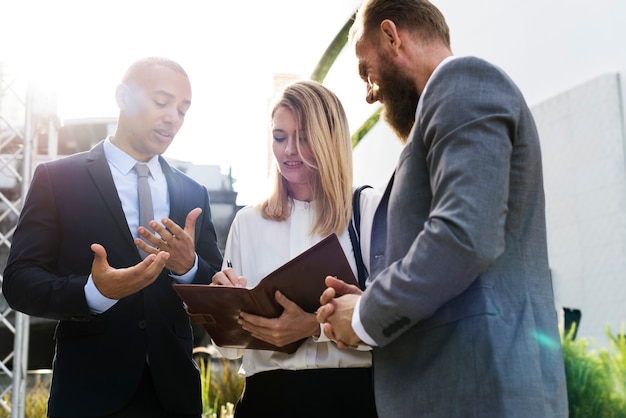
17	142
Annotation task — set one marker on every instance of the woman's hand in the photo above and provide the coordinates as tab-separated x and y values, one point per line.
292	325
228	277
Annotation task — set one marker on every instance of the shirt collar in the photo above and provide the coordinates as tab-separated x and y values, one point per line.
124	163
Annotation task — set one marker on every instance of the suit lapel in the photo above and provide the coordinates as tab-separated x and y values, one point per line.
378	241
175	189
100	172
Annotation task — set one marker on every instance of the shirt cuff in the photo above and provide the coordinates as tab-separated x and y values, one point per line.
323	338
358	327
187	277
97	302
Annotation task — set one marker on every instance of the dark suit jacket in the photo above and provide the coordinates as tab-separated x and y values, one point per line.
99	359
461	300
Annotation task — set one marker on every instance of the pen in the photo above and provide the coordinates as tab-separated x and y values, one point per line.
229	263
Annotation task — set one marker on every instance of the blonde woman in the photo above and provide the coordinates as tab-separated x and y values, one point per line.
311	198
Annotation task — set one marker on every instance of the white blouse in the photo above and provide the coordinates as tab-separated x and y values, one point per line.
258	246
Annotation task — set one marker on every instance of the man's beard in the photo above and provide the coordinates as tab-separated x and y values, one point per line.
399	101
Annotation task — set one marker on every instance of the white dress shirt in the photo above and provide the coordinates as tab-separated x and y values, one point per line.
257	246
125	179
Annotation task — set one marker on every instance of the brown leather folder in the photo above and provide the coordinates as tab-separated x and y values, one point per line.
301	280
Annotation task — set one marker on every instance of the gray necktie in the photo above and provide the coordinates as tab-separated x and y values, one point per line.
146	213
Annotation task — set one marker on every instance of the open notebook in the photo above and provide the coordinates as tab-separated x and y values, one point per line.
301	280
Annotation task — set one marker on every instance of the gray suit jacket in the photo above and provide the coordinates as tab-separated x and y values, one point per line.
461	303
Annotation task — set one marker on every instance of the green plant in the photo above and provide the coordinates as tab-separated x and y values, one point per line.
205	381
326	62
4	402
596	382
228	384
332	51
36	403
220	390
366	126
596	378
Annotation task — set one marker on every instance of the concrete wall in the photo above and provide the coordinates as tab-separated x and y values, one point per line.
585	182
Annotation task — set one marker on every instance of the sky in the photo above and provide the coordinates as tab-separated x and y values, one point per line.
81	49
231	49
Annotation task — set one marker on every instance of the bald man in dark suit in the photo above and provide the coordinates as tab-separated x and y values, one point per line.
123	341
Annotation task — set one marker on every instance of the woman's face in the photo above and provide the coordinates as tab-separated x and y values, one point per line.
291	163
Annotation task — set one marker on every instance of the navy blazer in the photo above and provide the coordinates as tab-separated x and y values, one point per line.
99	359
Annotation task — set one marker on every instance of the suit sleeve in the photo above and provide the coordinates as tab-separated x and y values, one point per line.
28	285
209	256
464	137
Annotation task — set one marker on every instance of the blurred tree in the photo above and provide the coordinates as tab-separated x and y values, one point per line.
326	62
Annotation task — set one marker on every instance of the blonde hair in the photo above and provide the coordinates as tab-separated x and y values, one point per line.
321	119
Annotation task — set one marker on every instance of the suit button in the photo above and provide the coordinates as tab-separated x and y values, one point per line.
79	319
142	324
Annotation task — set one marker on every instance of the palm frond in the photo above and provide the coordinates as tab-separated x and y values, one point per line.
332	52
366	127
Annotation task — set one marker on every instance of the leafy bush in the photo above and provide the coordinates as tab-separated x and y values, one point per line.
596	382
220	391
36	403
223	388
596	378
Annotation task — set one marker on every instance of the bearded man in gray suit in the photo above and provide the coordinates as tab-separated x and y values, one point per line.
459	308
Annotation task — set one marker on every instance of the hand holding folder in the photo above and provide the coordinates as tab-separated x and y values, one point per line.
301	280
